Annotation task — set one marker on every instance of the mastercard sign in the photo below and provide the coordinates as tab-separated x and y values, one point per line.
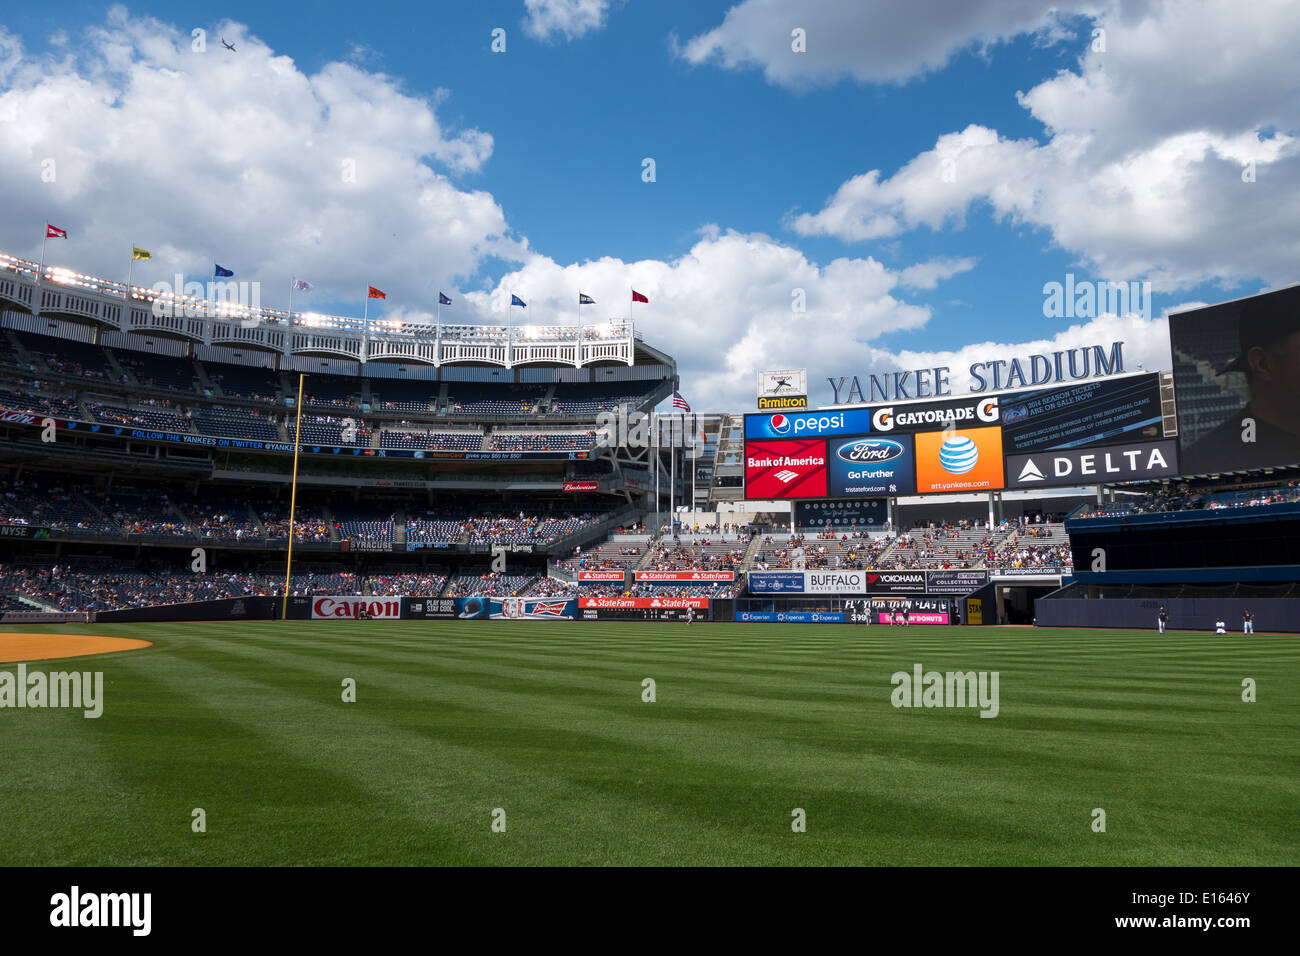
785	469
967	459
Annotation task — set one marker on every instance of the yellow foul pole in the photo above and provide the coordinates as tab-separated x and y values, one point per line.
293	498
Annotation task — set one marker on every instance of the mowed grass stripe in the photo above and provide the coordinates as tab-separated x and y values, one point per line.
708	773
498	775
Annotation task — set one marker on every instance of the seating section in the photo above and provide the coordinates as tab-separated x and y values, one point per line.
858	550
52	506
239	381
235	423
66	357
155	418
159	371
698	553
445	441
330	430
618	552
28	401
542	441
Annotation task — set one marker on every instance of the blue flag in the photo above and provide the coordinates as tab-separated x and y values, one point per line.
221	273
515	300
443	300
584	299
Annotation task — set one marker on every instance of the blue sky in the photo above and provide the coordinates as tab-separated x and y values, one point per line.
1079	158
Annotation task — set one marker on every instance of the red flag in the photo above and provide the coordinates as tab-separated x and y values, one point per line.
638	297
376	294
54	232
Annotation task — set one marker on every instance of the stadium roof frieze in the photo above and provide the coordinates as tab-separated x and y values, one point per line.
104	304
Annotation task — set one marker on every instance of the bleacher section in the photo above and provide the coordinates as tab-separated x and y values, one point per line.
235	423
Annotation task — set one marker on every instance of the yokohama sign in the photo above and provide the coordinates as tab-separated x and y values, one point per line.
617	603
685	575
600	575
345	608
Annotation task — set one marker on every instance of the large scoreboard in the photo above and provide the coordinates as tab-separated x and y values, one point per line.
1085	433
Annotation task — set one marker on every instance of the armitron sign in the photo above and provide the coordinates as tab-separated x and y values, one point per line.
346	608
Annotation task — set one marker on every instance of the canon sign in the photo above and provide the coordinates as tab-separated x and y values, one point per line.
345	608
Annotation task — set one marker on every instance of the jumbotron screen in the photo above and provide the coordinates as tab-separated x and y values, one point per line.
1237	383
1084	433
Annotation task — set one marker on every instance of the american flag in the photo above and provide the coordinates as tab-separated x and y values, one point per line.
679	402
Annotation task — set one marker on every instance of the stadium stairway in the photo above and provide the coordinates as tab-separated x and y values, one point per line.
119	373
399	530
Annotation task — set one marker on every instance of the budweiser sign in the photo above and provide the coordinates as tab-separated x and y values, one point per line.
581	486
346	608
617	603
600	575
685	575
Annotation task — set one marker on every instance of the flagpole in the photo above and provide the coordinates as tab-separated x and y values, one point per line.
130	271
40	273
293	497
672	474
694	469
655	445
292	281
437	334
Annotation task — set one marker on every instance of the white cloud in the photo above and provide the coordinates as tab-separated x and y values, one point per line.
726	308
1143	171
872	41
239	157
548	19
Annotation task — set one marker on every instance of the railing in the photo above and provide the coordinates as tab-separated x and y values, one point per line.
228	317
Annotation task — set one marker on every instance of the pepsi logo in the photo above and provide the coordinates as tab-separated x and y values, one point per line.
780	424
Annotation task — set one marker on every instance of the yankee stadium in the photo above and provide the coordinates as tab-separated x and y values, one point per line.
405	487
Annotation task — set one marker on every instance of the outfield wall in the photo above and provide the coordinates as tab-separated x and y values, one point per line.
1196	614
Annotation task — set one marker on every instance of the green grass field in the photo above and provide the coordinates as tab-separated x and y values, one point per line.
546	721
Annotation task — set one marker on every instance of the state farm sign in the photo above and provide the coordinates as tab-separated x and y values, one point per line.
600	575
617	603
345	608
686	575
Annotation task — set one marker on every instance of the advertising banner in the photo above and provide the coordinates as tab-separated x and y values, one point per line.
955	581
894	582
873	466
642	603
580	486
968	459
792	617
785	469
516	608
861	515
776	582
961	413
1090	466
652	576
601	575
848	421
1101	411
429	608
345	607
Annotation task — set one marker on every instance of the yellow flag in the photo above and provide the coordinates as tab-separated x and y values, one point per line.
140	253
